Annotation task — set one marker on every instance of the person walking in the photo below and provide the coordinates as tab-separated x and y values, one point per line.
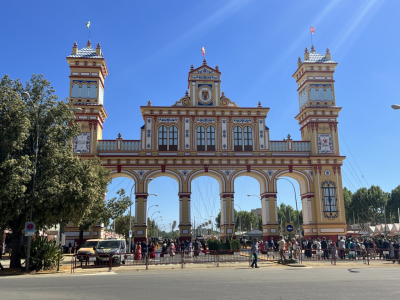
281	245
324	247
144	249
254	251
342	246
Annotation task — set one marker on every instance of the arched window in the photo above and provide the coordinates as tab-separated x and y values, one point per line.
84	91
210	138
93	91
248	139
329	189
313	94
75	91
321	94
162	138
237	139
173	138
329	96
201	139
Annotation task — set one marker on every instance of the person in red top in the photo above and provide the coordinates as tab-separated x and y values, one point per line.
138	252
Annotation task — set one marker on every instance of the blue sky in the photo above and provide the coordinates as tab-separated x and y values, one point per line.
150	45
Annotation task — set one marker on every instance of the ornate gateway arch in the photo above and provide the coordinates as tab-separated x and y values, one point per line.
205	133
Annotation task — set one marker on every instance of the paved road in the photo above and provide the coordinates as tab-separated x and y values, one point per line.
223	283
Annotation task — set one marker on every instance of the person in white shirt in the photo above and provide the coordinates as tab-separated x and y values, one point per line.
281	244
342	246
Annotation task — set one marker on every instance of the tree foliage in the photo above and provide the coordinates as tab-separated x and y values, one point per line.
66	187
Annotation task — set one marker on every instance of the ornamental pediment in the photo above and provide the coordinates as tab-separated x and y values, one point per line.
204	70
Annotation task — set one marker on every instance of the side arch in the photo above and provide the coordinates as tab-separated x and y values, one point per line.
259	176
302	178
126	174
211	173
158	173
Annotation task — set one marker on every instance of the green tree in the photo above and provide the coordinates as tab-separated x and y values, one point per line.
394	204
66	188
122	225
347	198
369	204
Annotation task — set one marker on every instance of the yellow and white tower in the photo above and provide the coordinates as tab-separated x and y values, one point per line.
323	210
88	72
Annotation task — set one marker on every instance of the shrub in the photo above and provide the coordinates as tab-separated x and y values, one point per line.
44	254
235	245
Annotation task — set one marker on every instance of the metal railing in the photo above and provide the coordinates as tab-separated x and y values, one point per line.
128	145
283	146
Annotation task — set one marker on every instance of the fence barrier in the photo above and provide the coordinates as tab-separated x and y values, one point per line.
229	256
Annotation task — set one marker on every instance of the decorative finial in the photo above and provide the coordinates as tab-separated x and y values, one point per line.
191	68
327	50
217	68
223	94
119	135
186	93
299	60
204	62
98	45
312	48
305	50
288	136
149	103
75	45
259	104
88	45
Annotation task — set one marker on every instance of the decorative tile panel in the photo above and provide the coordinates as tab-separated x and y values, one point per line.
325	143
82	143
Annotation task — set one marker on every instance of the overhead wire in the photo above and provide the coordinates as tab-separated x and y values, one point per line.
362	175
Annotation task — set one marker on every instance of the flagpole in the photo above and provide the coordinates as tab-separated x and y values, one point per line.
311	36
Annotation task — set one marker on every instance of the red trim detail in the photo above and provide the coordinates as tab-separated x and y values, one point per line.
206	168
248	167
224	195
290	168
184	194
307	195
265	195
119	168
163	168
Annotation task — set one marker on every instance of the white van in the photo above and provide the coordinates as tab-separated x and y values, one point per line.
116	247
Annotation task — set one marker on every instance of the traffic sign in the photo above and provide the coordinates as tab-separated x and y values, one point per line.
289	227
130	233
29	229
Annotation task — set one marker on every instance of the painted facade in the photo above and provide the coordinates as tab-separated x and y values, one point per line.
205	133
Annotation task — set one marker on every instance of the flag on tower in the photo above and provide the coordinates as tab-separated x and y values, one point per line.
203	50
88	24
312	29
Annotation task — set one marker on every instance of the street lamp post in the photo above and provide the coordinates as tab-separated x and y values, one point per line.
151	221
130	221
154	221
297	211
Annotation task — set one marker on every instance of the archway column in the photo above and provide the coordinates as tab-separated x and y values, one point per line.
140	228
270	222
309	216
227	215
185	226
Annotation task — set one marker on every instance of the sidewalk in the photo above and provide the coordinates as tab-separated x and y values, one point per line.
66	269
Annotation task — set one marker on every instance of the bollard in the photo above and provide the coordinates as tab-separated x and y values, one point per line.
182	259
109	263
147	262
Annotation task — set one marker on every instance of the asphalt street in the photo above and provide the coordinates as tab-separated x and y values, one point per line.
213	283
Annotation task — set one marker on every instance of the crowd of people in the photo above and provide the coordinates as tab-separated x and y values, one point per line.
148	247
324	249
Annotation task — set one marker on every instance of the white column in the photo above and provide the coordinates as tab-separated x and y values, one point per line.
180	210
145	212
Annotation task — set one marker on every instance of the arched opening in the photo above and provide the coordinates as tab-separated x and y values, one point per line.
163	207
290	187
205	205
250	211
